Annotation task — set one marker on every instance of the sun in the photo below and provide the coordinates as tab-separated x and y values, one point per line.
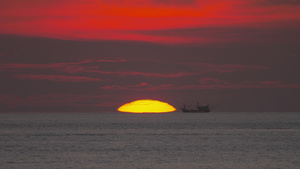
146	106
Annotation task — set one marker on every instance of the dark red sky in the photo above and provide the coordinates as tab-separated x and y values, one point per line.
95	55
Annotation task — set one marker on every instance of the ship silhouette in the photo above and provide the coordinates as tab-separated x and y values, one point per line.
199	109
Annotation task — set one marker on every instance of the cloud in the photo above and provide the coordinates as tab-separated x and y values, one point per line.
66	67
270	82
224	68
111	61
151	3
61	78
286	33
140	87
200	68
15	66
208	81
278	2
233	68
206	84
176	2
89	66
146	74
126	20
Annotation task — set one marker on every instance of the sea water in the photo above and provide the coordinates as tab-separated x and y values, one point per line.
150	141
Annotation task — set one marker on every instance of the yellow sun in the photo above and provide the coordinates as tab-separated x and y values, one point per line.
146	106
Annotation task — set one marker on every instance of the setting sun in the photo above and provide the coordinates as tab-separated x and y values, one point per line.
146	106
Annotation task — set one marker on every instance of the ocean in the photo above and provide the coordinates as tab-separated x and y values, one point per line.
150	141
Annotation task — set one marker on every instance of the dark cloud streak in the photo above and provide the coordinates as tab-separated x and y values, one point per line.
217	86
278	2
61	78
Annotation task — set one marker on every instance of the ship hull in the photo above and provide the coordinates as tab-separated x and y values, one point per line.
194	111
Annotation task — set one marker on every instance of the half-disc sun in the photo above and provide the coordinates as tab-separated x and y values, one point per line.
146	106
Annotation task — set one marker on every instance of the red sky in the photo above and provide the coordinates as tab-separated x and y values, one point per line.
180	51
147	20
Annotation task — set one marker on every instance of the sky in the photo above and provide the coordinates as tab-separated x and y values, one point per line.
96	55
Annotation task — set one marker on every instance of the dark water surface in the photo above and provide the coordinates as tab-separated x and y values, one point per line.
156	141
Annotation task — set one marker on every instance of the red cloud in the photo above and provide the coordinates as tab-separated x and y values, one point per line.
61	78
126	20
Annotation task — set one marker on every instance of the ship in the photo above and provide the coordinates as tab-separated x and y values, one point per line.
199	109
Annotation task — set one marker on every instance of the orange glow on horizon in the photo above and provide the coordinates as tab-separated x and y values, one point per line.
146	106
